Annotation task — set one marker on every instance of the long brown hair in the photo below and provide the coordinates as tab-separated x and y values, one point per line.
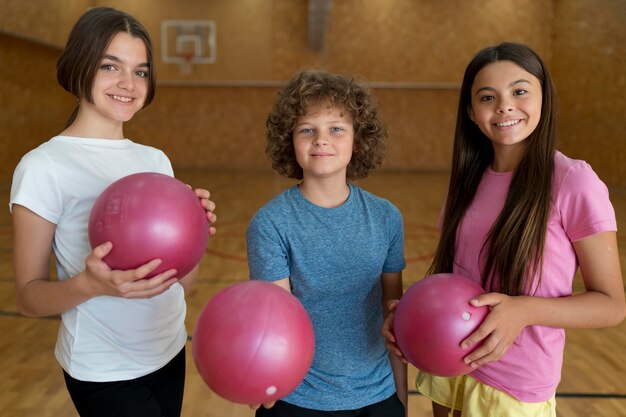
85	48
515	243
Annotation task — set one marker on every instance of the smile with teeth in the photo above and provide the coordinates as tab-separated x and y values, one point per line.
508	123
122	99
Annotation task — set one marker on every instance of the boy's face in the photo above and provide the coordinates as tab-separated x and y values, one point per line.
323	140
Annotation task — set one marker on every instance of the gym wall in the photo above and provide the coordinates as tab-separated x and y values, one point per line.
411	52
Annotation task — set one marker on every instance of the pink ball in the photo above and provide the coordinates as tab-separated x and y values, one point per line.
253	343
432	319
148	216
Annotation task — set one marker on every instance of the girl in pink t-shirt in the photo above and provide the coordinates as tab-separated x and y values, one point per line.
519	219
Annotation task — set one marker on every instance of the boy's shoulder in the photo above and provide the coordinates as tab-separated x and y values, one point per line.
275	207
373	199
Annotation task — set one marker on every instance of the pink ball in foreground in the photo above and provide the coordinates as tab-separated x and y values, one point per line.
253	343
431	320
148	216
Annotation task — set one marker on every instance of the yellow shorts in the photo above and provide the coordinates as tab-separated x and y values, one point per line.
475	399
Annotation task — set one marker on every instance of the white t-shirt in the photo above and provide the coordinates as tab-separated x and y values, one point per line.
105	338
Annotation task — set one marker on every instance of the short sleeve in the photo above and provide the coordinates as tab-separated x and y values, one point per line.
583	203
165	164
395	261
268	255
35	186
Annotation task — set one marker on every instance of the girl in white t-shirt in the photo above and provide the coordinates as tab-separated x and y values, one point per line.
520	219
121	340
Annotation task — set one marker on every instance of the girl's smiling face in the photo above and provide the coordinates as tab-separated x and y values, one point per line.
121	82
506	104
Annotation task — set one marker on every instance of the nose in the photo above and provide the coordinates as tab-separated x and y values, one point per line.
320	139
126	81
505	105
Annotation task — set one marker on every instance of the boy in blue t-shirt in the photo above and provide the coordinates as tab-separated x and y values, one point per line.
336	247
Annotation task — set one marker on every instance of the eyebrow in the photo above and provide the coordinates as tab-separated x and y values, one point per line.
306	121
514	83
116	59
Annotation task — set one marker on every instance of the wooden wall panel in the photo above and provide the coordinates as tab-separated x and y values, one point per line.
217	128
428	41
421	127
243	35
412	51
47	22
224	127
590	73
33	106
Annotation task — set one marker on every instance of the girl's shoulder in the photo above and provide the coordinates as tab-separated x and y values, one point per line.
572	171
581	199
40	155
563	162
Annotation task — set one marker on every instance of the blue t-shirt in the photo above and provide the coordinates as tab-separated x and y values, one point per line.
334	258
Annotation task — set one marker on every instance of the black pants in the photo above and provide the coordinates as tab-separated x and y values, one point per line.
159	394
391	407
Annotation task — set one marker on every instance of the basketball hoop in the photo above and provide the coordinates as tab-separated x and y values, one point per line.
186	65
187	43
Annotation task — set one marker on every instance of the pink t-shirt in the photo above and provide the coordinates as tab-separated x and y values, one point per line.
531	369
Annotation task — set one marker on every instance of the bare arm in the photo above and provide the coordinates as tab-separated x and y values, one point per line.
38	296
392	290
601	305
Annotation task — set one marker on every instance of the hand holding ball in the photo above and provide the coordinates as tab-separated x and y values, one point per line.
148	216
433	317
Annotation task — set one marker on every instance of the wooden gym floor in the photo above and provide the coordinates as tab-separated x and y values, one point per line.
594	373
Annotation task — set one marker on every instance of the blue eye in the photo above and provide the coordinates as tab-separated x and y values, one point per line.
336	129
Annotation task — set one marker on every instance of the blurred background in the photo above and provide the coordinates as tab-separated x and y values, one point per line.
219	66
411	52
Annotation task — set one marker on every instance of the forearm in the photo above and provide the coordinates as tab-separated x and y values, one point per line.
36	294
392	290
400	377
588	310
602	304
42	297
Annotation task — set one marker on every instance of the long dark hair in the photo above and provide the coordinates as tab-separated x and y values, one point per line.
514	246
86	45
